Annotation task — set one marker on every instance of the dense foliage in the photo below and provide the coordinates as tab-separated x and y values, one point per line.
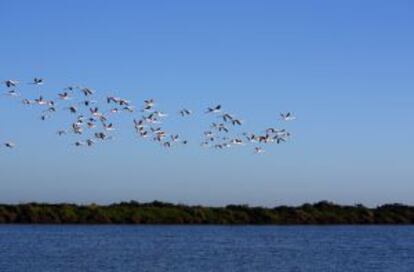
165	213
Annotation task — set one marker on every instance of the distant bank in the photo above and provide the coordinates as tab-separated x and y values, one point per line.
321	213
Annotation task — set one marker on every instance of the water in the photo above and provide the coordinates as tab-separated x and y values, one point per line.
206	248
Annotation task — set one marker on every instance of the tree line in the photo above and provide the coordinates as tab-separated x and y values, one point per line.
321	213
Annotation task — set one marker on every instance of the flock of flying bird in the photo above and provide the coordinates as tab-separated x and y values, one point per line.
91	124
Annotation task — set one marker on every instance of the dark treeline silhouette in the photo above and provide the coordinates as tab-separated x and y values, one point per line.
321	213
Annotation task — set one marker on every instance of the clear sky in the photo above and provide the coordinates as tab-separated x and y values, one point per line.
344	67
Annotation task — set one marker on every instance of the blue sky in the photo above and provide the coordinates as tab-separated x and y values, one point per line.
344	67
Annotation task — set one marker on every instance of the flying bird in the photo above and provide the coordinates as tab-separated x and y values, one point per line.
185	112
87	91
64	96
215	109
287	116
10	83
258	150
12	93
37	81
10	145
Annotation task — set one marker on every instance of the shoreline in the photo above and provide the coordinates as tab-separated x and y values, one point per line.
322	213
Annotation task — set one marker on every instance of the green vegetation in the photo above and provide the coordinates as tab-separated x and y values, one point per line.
321	213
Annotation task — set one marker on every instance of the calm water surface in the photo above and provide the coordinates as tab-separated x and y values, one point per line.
206	248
